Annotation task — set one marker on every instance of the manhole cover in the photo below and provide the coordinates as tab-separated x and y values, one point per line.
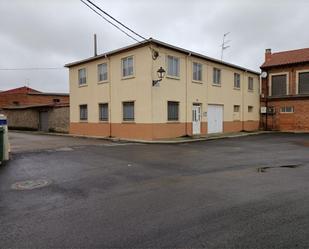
31	184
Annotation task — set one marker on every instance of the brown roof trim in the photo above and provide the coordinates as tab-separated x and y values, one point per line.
22	107
162	44
50	94
289	97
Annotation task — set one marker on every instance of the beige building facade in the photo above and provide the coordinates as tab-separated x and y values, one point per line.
112	95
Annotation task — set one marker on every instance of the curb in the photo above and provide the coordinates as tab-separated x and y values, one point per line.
190	140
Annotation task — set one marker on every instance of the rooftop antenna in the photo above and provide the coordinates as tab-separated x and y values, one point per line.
27	82
224	44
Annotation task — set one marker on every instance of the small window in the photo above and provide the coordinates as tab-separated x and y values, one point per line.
83	112
197	71
236	108
56	100
127	66
172	66
103	112
216	76
102	72
172	111
128	111
250	108
250	83
303	83
15	102
287	109
278	85
82	76
237	80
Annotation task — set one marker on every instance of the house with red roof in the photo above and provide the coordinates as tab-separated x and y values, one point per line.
30	109
285	90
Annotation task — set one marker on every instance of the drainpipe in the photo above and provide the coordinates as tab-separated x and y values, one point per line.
187	80
110	96
243	101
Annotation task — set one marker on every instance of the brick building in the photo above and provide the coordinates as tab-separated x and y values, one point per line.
285	90
29	109
23	96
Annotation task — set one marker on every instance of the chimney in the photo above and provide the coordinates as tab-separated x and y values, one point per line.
95	45
267	54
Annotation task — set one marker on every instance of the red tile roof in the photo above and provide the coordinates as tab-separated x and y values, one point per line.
23	89
287	57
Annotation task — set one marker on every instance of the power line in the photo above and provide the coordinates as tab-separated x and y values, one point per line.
110	16
110	22
31	68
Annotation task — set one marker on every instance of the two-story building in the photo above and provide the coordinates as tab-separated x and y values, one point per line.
285	90
115	94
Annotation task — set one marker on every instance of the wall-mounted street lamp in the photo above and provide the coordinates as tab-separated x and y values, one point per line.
161	74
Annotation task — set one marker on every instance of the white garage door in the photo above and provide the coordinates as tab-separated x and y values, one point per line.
215	118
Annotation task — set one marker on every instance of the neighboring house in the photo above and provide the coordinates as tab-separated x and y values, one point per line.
113	94
29	109
285	90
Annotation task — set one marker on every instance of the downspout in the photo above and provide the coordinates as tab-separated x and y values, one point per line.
243	102
110	96
186	94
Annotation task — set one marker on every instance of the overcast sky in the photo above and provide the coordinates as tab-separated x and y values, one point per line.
51	33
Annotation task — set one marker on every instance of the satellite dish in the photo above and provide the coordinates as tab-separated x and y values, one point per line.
264	75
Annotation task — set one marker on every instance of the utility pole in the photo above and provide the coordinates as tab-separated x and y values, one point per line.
224	44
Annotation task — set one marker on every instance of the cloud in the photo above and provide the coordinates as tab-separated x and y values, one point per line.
52	33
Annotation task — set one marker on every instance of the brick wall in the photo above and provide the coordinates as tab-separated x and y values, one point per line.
29	99
297	121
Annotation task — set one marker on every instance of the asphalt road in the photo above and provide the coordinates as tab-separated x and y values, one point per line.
198	195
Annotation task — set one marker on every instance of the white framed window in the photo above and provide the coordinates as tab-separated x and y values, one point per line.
250	108
102	72
287	109
83	112
250	84
237	80
82	79
236	108
172	111
127	65
103	111
128	111
173	66
197	69
217	76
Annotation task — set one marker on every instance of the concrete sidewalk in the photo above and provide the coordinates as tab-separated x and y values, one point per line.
159	141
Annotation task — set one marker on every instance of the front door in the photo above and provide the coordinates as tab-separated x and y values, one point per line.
43	119
196	119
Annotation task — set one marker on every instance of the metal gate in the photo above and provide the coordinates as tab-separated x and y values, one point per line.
43	121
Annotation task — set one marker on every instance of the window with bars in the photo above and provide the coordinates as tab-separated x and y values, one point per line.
127	66
197	71
303	83
236	108
237	80
128	111
83	112
102	72
82	76
287	109
250	84
173	66
103	112
278	85
217	76
172	111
